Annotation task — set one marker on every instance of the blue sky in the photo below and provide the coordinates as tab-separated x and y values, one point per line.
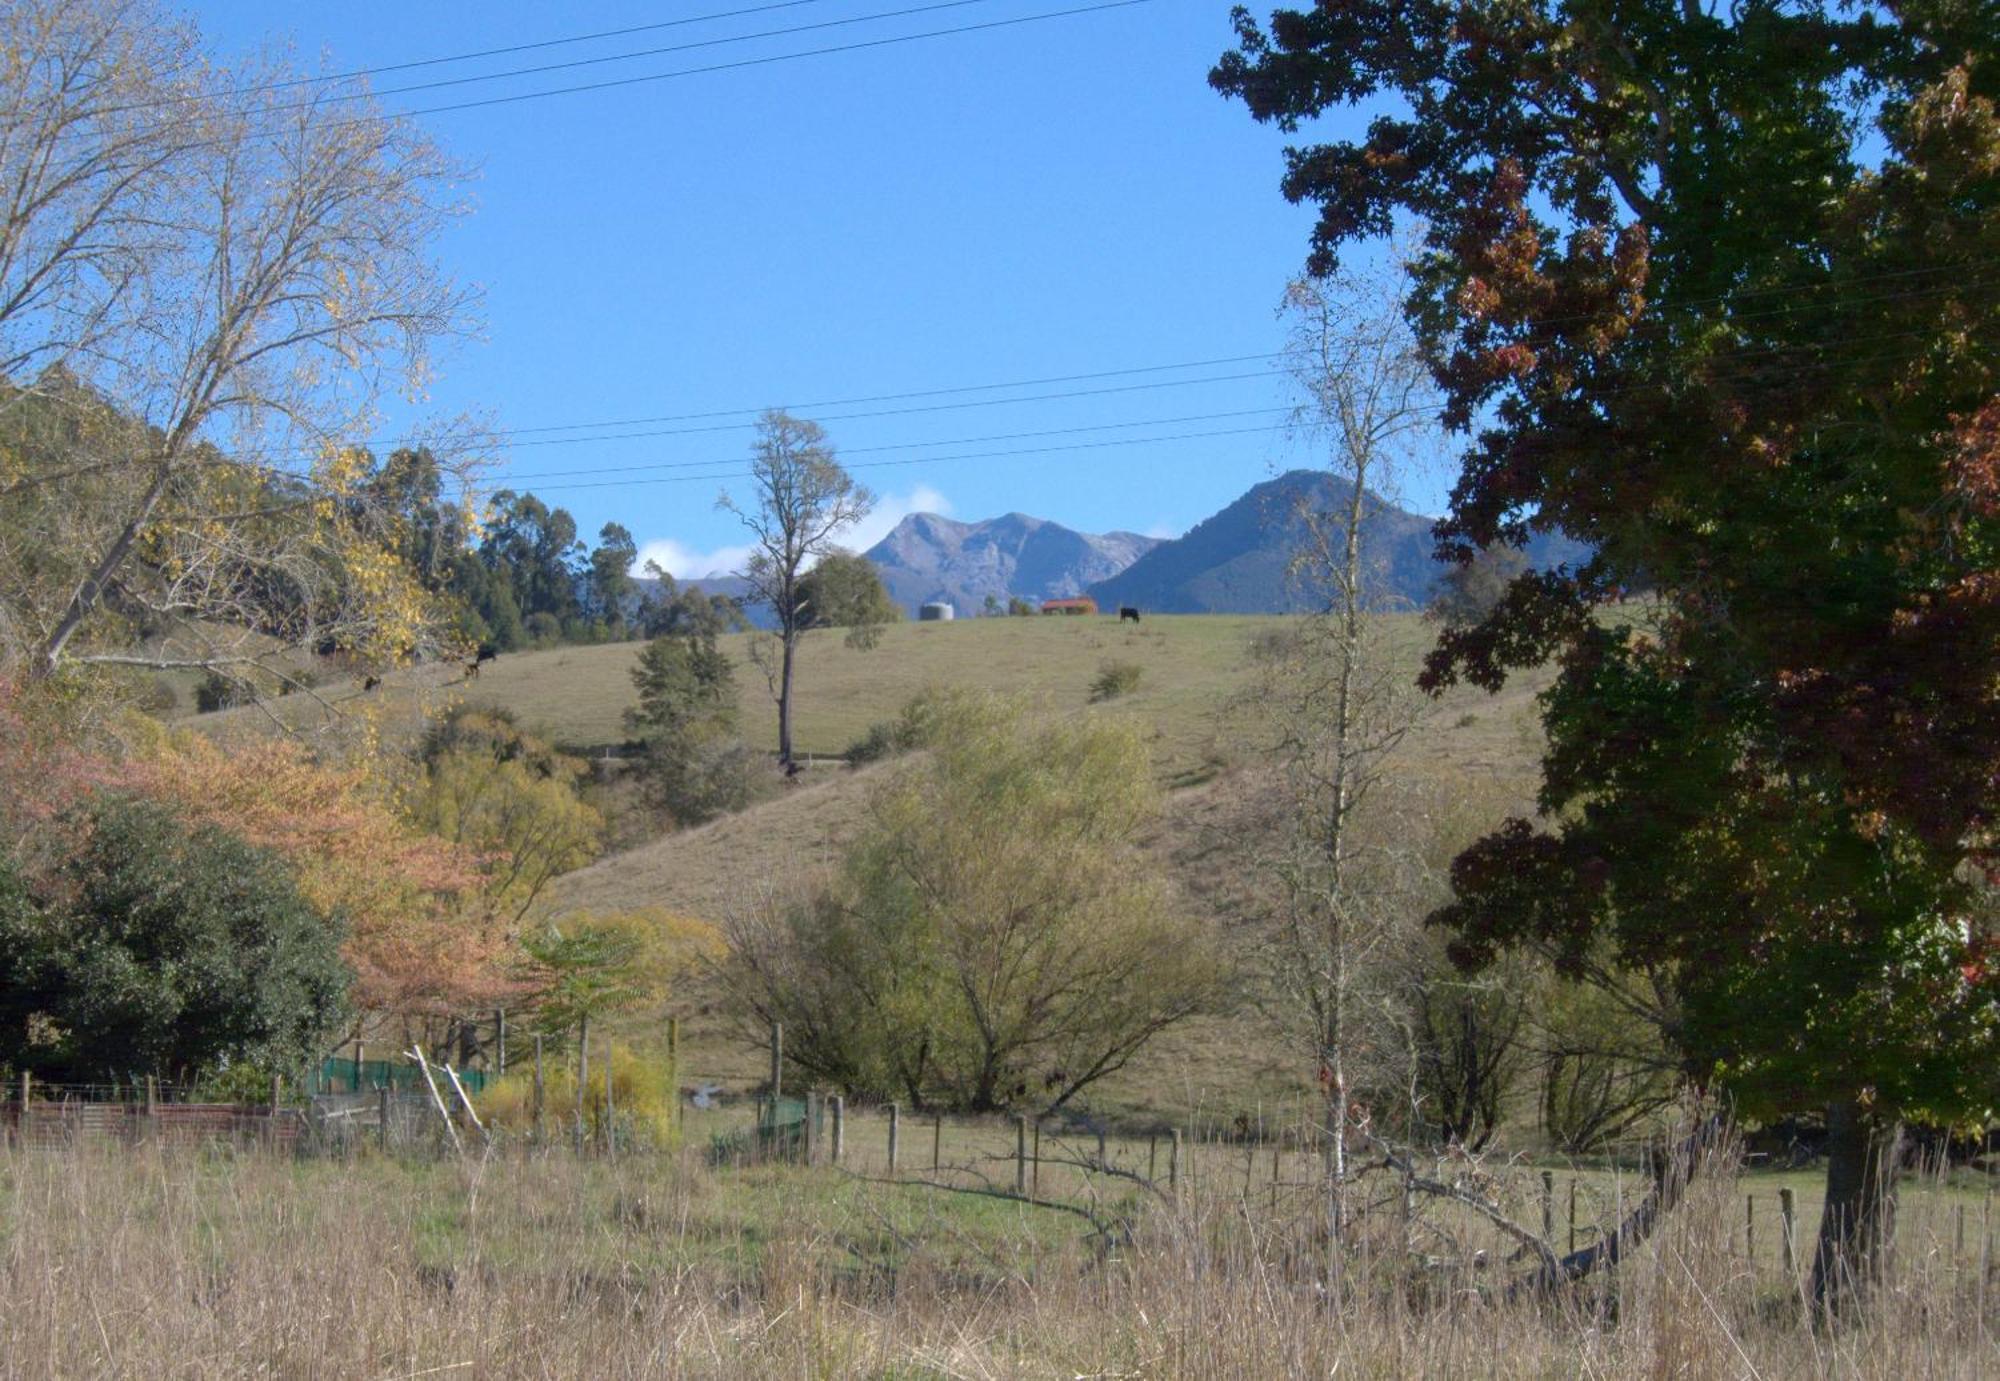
1041	201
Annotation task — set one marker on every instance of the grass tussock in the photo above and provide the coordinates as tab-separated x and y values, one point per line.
120	1263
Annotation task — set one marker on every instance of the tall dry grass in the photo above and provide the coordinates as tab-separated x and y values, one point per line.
119	1262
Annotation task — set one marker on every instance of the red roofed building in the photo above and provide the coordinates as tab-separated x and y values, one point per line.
1082	604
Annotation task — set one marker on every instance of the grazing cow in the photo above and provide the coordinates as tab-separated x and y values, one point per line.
1126	613
487	653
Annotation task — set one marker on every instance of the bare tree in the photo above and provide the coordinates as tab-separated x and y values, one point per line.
802	501
1344	702
217	279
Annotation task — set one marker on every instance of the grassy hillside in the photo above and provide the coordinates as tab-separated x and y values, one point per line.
1472	757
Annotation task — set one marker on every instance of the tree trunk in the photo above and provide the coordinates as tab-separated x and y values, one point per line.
790	640
1857	1225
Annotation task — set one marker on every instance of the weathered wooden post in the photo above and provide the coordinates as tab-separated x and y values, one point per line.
582	1079
1787	1221
500	1041
937	1142
1020	1153
1548	1206
1035	1176
1174	1161
1152	1157
777	1064
610	1104
538	1089
895	1127
1572	1215
382	1116
674	1072
839	1130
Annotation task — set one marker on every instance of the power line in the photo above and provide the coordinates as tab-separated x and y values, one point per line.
1749	373
332	78
922	460
862	45
447	82
513	478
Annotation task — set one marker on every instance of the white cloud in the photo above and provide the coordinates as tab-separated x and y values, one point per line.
891	509
1164	531
684	562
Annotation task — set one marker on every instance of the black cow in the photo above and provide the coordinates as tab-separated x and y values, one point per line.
487	653
1127	613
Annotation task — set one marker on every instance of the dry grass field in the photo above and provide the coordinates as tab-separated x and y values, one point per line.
211	1265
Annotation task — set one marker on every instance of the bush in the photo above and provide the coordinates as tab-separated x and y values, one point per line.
993	935
644	1097
911	729
1115	679
172	948
218	692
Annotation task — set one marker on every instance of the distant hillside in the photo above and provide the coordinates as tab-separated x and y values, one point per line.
1239	560
927	557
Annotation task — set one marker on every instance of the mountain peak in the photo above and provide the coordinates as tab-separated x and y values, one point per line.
926	557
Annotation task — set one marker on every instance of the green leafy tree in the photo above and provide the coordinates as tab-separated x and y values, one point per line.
611	583
1714	287
993	939
696	766
802	501
510	798
845	591
165	948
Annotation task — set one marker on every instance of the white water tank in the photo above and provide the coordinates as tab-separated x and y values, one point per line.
936	613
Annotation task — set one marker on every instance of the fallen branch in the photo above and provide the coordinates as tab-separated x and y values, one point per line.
1669	1181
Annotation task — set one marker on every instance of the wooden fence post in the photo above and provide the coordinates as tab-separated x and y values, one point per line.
1152	1157
1548	1206
1035	1176
1174	1161
937	1142
777	1064
538	1088
1020	1153
610	1103
1787	1222
895	1126
582	1078
674	1072
1572	1215
839	1130
382	1116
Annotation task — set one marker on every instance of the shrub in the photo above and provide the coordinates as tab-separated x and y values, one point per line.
911	729
173	947
218	692
644	1096
1115	679
992	935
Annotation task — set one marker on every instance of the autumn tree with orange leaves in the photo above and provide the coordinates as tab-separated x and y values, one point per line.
1717	292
